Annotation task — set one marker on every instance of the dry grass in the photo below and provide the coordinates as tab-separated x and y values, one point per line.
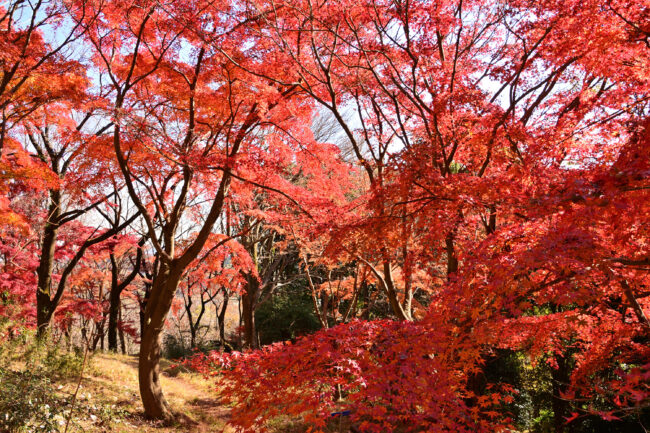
109	399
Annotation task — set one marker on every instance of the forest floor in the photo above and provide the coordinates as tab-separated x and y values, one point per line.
37	389
109	399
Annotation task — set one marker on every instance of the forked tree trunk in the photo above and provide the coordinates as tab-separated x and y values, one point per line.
46	301
385	280
117	288
158	305
391	293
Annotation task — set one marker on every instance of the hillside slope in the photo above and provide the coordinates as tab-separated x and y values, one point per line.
109	399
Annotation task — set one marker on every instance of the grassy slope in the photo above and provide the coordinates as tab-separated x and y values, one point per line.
109	401
110	389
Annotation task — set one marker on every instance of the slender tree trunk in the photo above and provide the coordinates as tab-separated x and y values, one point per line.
325	305
102	335
407	272
560	378
353	302
192	336
158	305
196	326
452	260
68	340
221	319
365	314
117	288
249	301
113	315
190	320
217	325
84	335
98	335
314	297
638	311
114	306
143	306
391	293
407	305
121	331
94	343
492	220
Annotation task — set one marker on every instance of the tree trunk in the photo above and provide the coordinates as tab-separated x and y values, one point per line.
117	288
365	313
43	313
93	347
492	220
560	378
44	305
322	318
190	319
391	294
102	334
407	305
192	336
158	305
249	301
113	314
221	319
143	306
452	259
114	306
99	333
121	331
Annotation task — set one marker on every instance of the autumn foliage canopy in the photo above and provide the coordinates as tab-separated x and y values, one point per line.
485	181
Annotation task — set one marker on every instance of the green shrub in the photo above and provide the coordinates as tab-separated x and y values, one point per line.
174	347
287	314
63	365
29	401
